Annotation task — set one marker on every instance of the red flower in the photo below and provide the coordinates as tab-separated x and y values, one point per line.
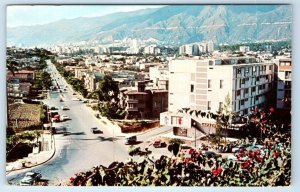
217	171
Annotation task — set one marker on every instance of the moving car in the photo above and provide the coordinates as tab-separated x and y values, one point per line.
130	140
30	178
96	130
158	143
64	117
65	107
52	108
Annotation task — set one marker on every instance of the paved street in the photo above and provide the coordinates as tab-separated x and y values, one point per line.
79	149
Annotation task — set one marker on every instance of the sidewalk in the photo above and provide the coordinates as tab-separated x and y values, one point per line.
35	158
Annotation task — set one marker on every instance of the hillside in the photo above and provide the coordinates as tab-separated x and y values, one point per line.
175	25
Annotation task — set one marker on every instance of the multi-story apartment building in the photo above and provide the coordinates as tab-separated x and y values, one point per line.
203	84
284	82
159	75
144	103
91	80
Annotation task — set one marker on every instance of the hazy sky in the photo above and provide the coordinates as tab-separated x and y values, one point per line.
18	15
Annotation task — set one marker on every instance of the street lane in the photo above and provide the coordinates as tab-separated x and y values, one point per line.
79	149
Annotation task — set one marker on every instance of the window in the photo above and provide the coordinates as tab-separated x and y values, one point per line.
221	84
176	120
131	105
247	70
242	102
270	67
239	71
192	88
208	105
209	83
257	78
220	106
253	89
238	93
246	91
253	69
242	81
256	98
131	97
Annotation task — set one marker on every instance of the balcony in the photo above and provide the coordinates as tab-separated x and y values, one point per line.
132	101
132	109
288	77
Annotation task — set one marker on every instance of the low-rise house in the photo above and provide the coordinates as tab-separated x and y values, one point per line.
22	75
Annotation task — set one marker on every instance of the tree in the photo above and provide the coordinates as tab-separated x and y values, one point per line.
108	90
12	66
226	115
107	94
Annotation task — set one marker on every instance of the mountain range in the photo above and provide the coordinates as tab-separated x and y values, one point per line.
171	25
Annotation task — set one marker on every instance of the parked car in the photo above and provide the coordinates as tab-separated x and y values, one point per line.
65	107
237	148
30	178
96	130
158	143
255	147
56	118
52	108
211	154
75	99
130	140
234	158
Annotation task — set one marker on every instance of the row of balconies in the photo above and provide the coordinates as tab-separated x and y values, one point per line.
249	103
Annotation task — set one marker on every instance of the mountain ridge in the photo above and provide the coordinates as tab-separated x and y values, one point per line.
174	25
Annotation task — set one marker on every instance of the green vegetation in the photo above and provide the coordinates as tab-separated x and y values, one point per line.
23	137
42	80
276	46
107	94
77	84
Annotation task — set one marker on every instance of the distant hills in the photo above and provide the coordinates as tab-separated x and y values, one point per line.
172	25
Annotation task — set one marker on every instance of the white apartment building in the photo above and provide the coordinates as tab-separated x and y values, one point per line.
284	82
203	84
210	46
152	49
244	49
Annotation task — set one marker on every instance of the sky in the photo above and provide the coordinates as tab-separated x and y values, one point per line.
20	15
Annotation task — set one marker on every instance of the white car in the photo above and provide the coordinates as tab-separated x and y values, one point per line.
75	99
30	178
64	117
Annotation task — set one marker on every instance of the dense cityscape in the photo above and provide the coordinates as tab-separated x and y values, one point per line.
139	112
